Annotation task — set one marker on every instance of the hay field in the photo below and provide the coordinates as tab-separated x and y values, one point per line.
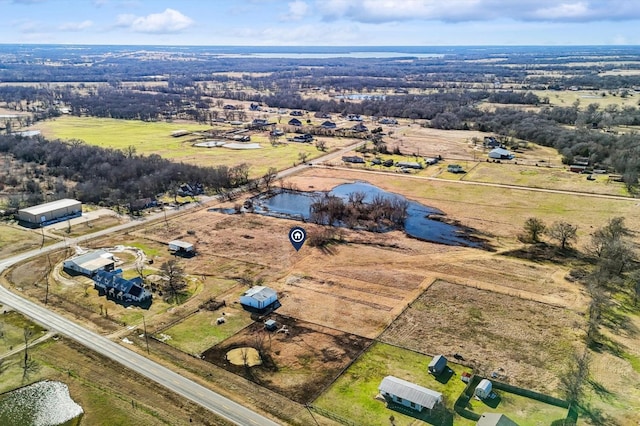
155	138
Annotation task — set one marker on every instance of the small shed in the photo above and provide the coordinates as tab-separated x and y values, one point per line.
178	246
259	297
483	390
495	419
437	364
270	325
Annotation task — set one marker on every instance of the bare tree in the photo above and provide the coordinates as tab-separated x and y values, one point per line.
321	145
533	228
303	156
175	279
564	233
270	177
574	378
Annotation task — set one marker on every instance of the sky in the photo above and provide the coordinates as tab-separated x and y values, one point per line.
322	22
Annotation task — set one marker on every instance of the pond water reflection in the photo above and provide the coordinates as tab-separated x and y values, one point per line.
421	221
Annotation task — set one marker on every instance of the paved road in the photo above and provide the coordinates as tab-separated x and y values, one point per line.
189	389
195	392
214	402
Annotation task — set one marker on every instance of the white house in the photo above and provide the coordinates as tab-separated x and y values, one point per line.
501	154
90	263
408	394
181	246
259	297
483	390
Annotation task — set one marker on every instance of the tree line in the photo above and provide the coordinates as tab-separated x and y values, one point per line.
115	177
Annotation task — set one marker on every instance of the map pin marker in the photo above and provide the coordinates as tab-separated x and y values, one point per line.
297	236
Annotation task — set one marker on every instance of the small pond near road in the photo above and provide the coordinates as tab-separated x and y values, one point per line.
421	221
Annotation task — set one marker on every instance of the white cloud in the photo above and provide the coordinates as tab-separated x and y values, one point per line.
375	11
563	11
297	10
75	26
169	21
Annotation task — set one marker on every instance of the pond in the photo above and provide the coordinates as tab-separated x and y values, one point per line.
45	403
422	222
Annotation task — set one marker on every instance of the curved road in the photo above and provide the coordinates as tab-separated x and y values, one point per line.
189	389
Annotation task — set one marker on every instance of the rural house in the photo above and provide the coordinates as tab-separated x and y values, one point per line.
353	159
495	419
181	247
437	364
455	168
90	263
501	154
259	298
295	122
409	394
409	165
328	125
118	288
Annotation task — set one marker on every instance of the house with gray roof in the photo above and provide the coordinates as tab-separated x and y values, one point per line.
409	394
259	298
121	289
90	263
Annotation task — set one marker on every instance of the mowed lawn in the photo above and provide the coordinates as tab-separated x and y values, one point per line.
352	396
155	138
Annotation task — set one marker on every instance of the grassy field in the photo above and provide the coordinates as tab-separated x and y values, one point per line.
155	138
566	98
14	239
352	396
524	411
199	331
108	393
561	179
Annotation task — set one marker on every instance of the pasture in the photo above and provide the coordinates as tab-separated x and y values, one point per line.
155	138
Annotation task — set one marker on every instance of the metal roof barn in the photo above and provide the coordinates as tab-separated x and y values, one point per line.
48	212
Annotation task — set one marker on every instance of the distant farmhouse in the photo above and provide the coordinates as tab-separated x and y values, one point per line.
306	138
353	159
409	394
328	125
89	263
181	247
295	122
114	286
501	154
409	165
47	213
259	298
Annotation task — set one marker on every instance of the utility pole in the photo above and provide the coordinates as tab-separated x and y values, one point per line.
46	294
146	338
308	407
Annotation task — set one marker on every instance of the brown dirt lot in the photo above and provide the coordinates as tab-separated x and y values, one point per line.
299	363
491	331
